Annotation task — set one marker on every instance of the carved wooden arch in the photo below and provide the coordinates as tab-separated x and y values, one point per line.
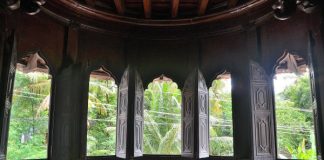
41	56
174	79
284	57
162	78
209	82
105	70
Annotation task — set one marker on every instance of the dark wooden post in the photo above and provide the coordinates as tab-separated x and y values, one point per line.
69	100
195	117
316	57
130	118
69	103
8	68
242	122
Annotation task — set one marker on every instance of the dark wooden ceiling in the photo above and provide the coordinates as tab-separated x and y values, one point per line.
161	9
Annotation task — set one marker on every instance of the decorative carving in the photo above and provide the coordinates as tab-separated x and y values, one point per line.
307	6
203	135
203	117
121	138
188	102
122	116
263	134
260	96
139	137
188	138
284	9
123	102
262	109
139	119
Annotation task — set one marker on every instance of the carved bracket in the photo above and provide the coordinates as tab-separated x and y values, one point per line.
284	9
30	7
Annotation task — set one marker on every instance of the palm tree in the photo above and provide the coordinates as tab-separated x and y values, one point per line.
162	116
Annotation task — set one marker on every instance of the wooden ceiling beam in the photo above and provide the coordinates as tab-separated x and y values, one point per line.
147	8
231	3
202	6
174	8
120	6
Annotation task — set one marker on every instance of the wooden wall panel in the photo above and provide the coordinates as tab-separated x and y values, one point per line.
280	36
174	59
102	49
226	52
44	34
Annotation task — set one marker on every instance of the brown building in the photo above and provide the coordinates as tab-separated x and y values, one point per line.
189	41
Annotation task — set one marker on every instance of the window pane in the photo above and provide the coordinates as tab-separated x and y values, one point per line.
220	117
294	116
162	118
102	104
28	129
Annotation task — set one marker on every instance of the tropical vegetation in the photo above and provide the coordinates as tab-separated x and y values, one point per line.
28	131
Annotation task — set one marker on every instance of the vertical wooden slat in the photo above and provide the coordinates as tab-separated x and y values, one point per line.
202	6
139	117
130	119
174	8
120	6
314	96
147	8
122	113
188	102
203	117
195	117
262	113
7	81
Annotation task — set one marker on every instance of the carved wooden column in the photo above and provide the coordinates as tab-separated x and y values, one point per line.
8	68
130	118
262	113
195	117
69	93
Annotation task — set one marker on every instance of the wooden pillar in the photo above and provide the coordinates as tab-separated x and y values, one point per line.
316	52
130	120
69	93
8	68
195	117
68	109
242	113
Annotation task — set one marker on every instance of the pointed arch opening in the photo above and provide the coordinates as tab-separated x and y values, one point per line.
162	117
101	117
220	116
30	107
294	109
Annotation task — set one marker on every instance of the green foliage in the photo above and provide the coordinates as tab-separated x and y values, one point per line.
102	106
162	118
221	129
294	119
301	152
28	128
162	114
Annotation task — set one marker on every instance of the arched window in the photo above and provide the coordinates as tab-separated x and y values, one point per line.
294	109
220	116
29	117
102	105
162	117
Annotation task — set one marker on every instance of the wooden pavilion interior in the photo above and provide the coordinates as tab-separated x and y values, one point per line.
136	41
